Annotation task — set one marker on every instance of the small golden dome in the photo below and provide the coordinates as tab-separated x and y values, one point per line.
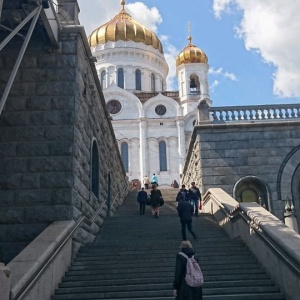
124	28
191	54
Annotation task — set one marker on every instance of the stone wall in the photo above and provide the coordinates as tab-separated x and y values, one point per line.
222	154
53	113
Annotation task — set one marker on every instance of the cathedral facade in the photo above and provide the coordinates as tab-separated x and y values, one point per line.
152	125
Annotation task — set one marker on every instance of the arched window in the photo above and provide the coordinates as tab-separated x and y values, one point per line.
121	78
251	189
162	156
103	79
124	155
138	80
162	85
95	170
152	82
194	85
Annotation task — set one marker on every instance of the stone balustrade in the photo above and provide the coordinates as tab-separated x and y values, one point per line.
274	245
255	113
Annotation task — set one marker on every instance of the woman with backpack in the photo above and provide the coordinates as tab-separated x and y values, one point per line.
187	288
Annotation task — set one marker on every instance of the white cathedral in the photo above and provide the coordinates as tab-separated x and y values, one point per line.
153	126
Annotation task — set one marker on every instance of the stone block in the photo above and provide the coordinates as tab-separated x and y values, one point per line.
6	198
20	89
10	181
30	133
7	150
26	149
32	75
29	61
42	214
55	89
60	148
57	75
15	119
50	164
59	133
45	118
68	47
81	188
30	181
18	104
12	215
33	197
62	196
56	180
7	134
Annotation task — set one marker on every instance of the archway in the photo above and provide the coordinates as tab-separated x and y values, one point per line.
252	189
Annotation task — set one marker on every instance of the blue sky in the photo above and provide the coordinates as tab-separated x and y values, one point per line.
253	46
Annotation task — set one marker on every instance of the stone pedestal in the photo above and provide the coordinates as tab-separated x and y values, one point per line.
290	220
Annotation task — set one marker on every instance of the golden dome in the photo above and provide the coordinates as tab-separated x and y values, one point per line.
123	28
191	54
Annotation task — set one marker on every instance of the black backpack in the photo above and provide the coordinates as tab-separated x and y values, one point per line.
180	196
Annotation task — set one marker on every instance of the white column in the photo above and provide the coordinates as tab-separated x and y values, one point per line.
129	157
143	148
168	152
181	143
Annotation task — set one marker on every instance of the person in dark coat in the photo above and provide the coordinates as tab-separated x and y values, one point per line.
185	212
195	197
142	200
155	196
181	290
182	194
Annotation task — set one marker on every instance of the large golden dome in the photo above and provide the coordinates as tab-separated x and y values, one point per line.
191	54
123	28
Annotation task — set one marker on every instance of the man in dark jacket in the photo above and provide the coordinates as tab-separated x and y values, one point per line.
195	197
182	194
142	199
185	212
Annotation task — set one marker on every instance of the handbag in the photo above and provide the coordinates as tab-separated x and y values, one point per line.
161	201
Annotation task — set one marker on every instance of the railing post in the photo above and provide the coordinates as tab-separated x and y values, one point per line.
203	111
290	219
5	281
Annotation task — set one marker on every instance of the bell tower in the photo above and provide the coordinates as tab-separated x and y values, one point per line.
192	74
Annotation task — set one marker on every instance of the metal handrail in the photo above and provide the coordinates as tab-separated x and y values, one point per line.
267	240
37	275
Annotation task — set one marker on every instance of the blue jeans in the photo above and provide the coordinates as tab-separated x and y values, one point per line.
195	203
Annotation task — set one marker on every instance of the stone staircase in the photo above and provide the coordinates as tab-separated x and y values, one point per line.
133	257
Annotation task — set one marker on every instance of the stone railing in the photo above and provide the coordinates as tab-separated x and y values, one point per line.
255	113
275	246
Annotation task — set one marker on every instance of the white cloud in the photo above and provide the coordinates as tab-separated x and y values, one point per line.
220	72
271	27
149	17
94	13
220	6
170	54
214	85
